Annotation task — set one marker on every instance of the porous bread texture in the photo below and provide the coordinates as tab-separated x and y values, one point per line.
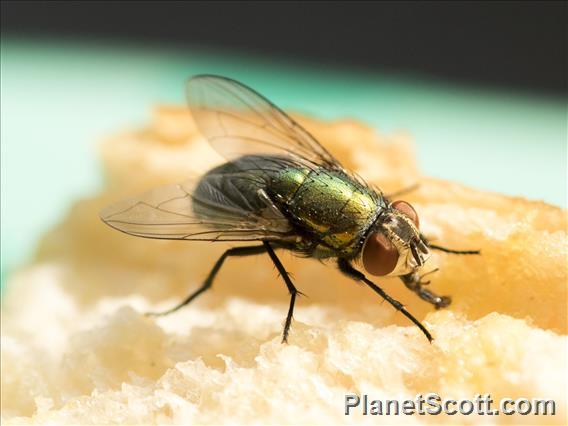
77	350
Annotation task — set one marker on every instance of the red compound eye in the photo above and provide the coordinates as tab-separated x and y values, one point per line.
379	255
407	209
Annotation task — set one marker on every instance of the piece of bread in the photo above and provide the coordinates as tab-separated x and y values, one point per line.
76	348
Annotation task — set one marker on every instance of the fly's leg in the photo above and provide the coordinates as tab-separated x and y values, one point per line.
235	251
350	271
447	250
291	288
402	191
414	282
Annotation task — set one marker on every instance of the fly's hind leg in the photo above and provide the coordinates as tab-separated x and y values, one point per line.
414	282
291	288
235	251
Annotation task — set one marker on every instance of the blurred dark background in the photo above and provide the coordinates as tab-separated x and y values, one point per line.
516	45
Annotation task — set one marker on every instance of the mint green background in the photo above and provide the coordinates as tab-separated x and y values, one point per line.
59	98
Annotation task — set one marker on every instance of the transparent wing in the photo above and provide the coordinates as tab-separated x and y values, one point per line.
238	121
197	210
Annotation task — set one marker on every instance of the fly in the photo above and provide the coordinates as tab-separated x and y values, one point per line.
281	189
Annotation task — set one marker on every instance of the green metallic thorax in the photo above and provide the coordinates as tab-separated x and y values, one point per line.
330	207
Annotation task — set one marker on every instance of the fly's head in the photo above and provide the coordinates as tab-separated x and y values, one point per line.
395	246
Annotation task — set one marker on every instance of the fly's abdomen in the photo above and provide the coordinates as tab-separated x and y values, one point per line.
331	207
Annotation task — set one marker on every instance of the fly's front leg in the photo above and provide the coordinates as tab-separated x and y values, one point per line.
414	282
452	251
291	288
445	249
350	271
235	251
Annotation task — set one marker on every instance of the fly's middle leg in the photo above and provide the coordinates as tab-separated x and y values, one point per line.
414	282
402	191
291	288
235	251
